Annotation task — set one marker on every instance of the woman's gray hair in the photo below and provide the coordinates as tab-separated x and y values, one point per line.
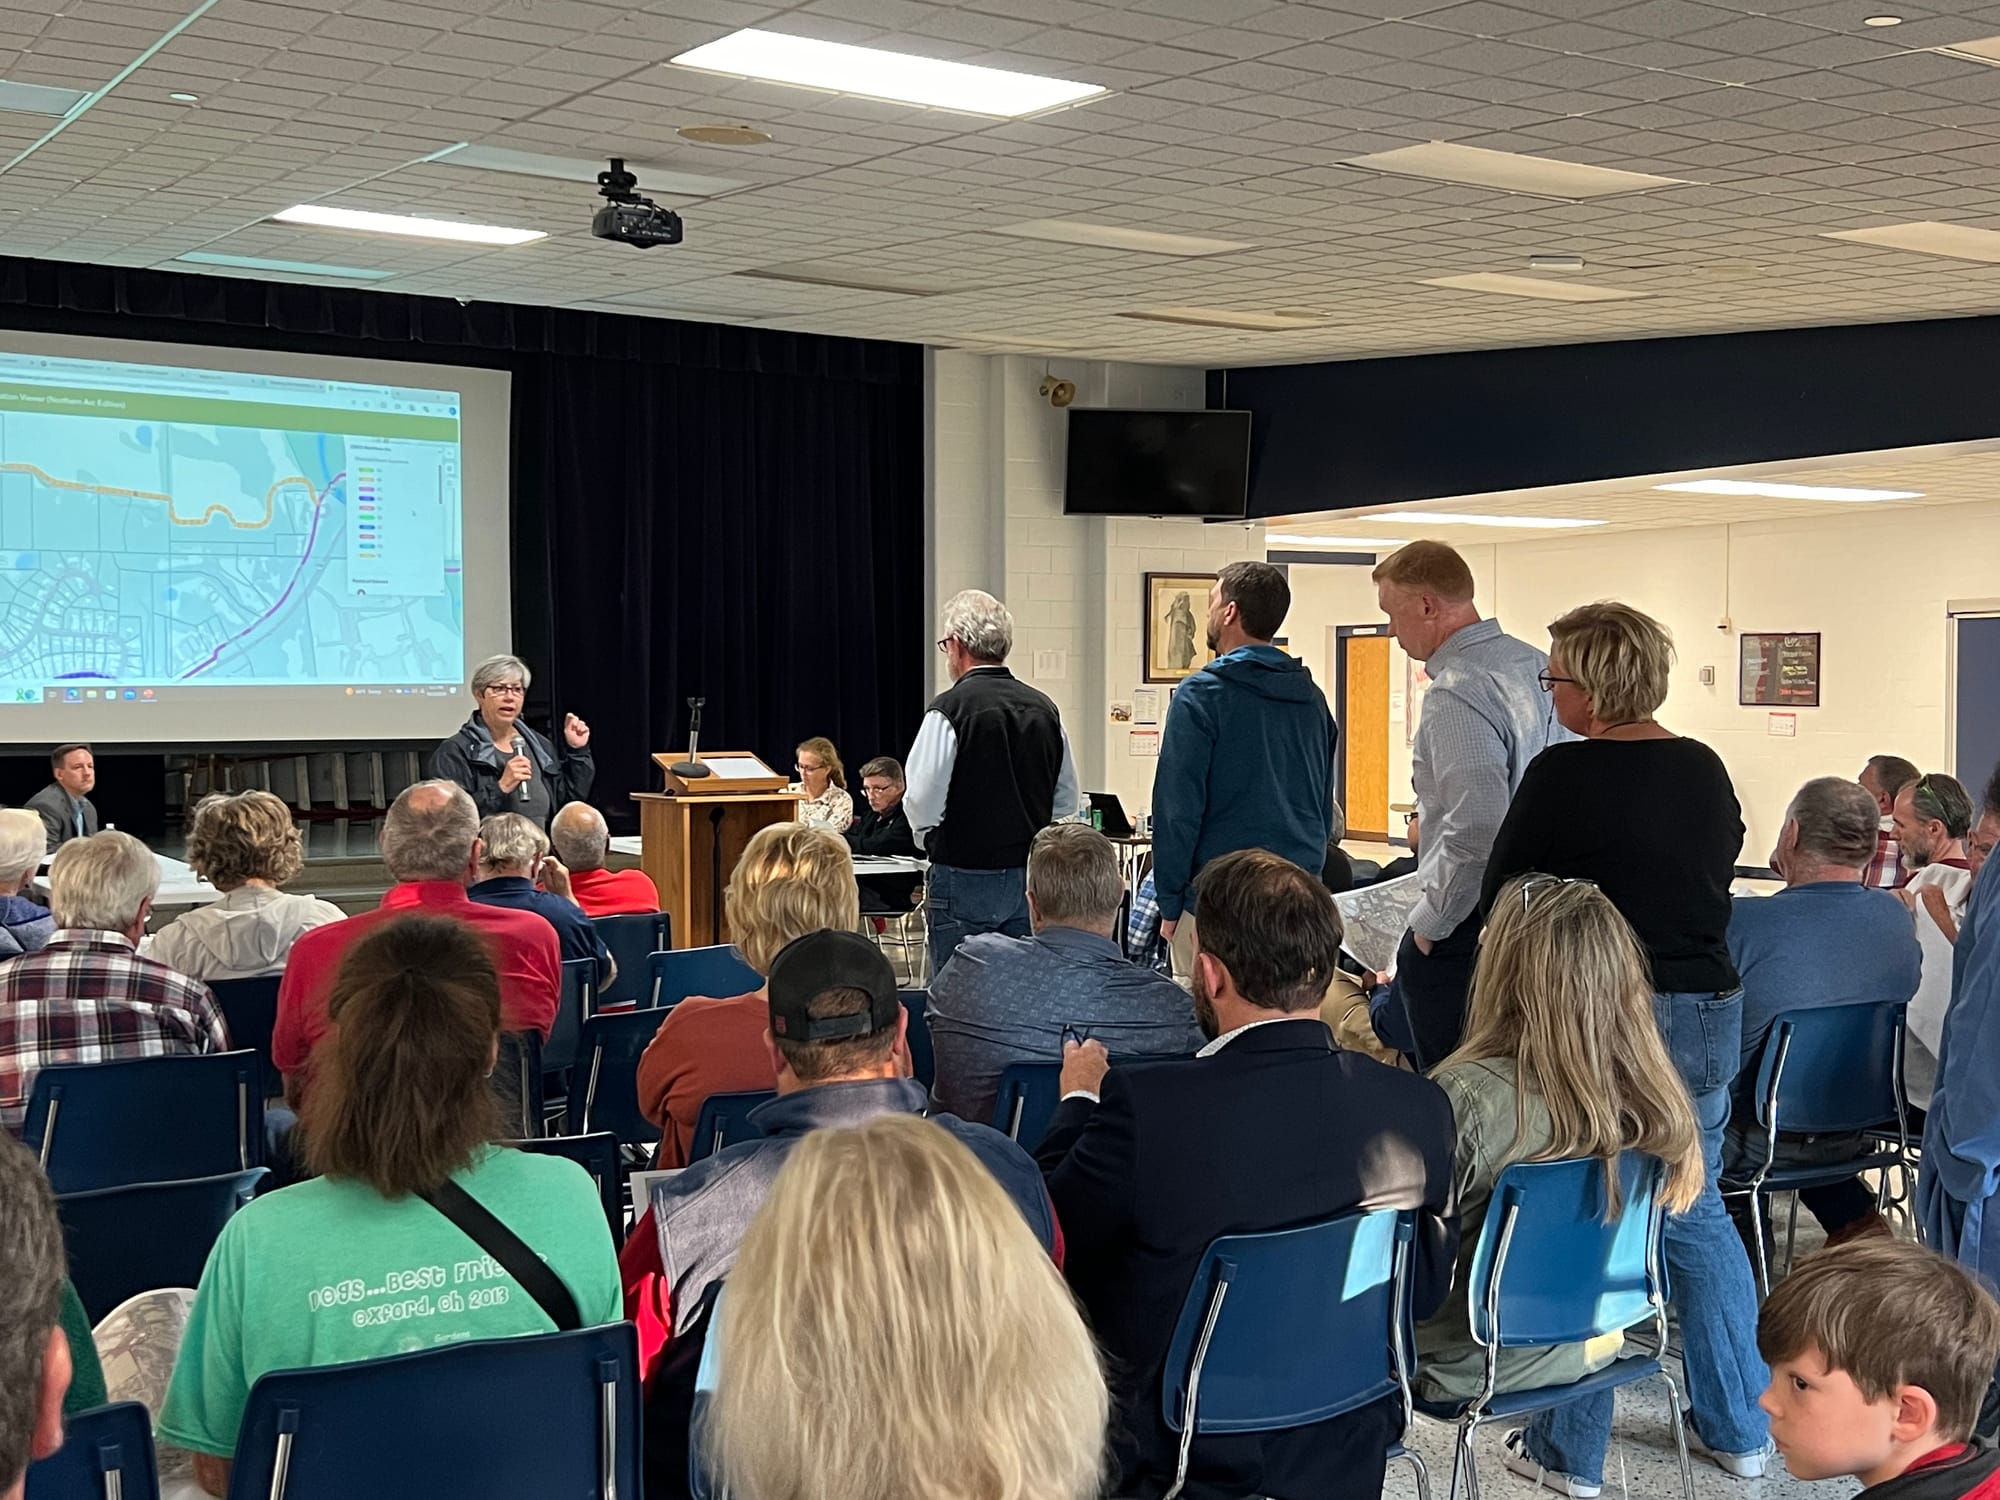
497	669
101	882
23	842
510	841
982	624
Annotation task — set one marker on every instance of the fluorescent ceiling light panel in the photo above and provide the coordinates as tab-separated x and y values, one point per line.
282	267
1460	518
1224	317
850	281
1121	237
652	179
1540	287
323	217
1509	171
876	73
1985	50
1766	489
1958	241
1282	539
39	98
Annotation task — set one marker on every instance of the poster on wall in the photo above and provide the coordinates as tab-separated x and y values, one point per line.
1779	670
1176	625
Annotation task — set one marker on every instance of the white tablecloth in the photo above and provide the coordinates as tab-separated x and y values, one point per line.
179	885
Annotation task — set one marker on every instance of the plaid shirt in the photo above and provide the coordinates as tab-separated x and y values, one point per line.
89	997
1143	943
1885	870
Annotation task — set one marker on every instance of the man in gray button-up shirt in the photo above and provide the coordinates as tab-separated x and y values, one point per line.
1485	718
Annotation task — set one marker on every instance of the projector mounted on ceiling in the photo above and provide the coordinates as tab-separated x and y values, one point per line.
629	218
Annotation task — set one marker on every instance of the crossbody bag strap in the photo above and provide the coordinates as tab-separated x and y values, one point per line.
509	1249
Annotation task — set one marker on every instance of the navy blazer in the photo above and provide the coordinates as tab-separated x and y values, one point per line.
1280	1127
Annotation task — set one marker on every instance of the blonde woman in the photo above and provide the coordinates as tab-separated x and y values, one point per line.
246	846
892	1331
791	880
1651	817
1560	1059
824	781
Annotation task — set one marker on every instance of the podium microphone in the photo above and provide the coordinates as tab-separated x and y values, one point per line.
692	769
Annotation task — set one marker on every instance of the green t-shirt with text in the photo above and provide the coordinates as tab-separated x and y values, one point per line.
330	1271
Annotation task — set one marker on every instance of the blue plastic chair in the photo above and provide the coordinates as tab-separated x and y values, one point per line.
149	1119
724	1120
546	1414
604	1091
1292	1327
578	1004
1551	1268
1826	1070
633	940
107	1454
517	1081
923	1062
718	972
127	1240
1029	1093
250	1006
597	1154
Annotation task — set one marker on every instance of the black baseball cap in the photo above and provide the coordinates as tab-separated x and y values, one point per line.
808	967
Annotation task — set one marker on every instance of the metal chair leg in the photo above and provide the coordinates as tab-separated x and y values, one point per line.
1423	1472
1680	1436
1757	1238
1465	1435
1457	1459
1792	1232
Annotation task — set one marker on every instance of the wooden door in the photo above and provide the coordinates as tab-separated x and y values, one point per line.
1364	733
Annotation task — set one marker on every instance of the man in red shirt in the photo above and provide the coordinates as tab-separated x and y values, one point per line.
581	842
430	842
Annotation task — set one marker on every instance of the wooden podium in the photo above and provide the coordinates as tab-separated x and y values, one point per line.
690	837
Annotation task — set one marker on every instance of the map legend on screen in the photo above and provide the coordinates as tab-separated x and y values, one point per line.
399	520
367	514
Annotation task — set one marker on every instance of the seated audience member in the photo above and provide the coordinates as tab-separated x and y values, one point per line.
1004	1000
399	1127
245	845
885	829
1882	778
791	880
1825	939
1271	1126
1933	816
1337	873
583	842
87	996
824	781
1880	1355
430	843
64	805
513	856
835	1040
34	1352
1561	1059
892	1333
1405	864
24	925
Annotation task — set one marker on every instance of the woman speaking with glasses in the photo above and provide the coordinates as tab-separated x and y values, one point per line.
504	764
1650	818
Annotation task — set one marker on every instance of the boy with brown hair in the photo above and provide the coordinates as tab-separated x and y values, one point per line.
1880	1352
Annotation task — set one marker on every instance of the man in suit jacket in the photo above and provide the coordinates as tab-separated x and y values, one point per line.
64	804
1270	1125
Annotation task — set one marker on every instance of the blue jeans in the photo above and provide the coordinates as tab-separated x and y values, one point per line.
963	903
1708	1271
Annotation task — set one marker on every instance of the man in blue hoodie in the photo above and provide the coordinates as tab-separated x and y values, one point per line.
1246	759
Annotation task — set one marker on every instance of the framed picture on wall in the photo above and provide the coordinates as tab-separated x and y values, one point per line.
1176	625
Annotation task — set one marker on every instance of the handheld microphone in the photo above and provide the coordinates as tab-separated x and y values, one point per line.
692	769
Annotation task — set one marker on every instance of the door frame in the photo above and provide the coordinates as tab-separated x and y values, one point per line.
1954	611
1341	635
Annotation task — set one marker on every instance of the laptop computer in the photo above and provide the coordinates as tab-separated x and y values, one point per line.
1112	814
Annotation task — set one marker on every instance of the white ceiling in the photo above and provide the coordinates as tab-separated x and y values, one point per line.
1787	119
1947	474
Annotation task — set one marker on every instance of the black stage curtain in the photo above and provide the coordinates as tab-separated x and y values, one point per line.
697	509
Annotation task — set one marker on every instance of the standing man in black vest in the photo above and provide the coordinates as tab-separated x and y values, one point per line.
990	769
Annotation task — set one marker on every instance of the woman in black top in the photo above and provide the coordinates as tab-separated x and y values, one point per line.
1651	819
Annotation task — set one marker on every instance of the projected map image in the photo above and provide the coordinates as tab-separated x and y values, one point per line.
174	526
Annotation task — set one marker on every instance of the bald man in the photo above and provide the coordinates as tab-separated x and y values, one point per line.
582	841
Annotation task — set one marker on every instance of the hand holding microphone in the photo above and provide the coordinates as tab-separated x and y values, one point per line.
517	773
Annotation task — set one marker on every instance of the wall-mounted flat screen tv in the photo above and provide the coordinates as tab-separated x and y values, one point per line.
1157	463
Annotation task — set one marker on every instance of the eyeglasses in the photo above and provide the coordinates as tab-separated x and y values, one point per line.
945	644
1534	885
1548	680
804	769
505	689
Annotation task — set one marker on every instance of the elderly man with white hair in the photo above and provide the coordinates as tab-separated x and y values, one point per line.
87	996
582	842
516	873
504	765
24	925
991	768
